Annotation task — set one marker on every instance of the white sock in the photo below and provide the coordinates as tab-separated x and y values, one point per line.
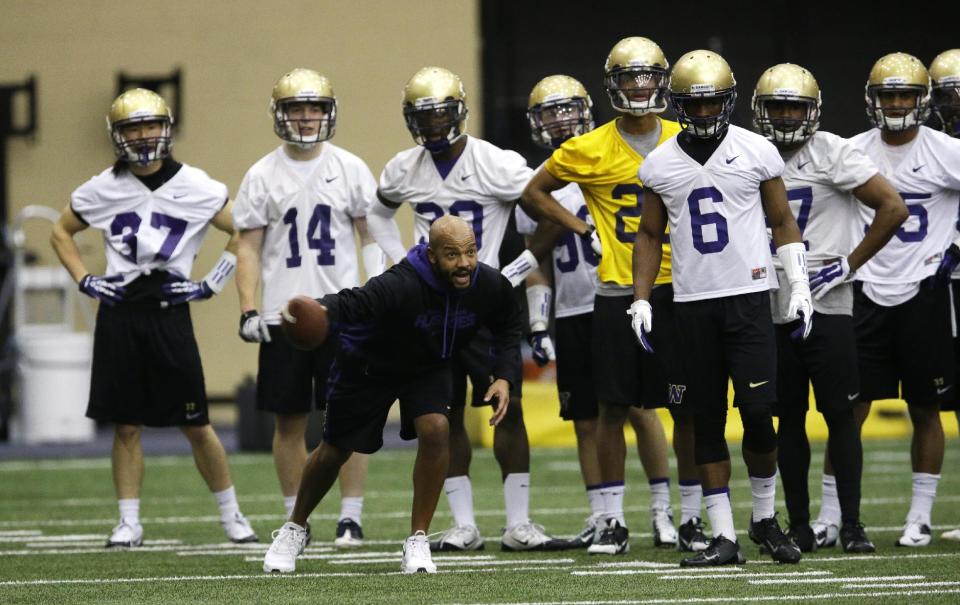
613	502
351	507
288	503
227	501
516	496
595	497
130	510
460	496
924	493
690	495
721	515
660	493
764	490
830	503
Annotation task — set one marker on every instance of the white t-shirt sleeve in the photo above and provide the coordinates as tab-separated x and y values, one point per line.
363	191
509	175
848	166
392	179
525	224
770	163
950	162
250	206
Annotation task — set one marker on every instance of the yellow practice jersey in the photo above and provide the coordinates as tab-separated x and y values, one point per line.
605	166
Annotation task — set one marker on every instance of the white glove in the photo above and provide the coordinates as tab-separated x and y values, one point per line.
642	322
539	297
520	268
829	277
253	328
793	257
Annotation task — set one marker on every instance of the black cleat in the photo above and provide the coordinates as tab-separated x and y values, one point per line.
854	539
803	537
614	540
587	536
349	534
690	536
767	533
720	551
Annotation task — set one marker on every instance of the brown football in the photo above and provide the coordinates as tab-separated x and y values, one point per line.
307	326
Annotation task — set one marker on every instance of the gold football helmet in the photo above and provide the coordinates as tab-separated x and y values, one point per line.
945	97
897	73
703	92
137	106
435	108
789	86
635	76
558	108
304	108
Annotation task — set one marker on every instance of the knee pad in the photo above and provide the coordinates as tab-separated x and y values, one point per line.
710	445
758	434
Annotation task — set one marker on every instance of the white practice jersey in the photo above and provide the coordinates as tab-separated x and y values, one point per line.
717	228
928	179
574	262
819	179
309	246
145	230
481	189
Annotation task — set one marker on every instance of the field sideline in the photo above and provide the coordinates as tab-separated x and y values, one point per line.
56	514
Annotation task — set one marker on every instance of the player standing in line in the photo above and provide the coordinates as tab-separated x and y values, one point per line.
450	173
154	213
945	102
824	176
903	319
714	182
604	164
296	212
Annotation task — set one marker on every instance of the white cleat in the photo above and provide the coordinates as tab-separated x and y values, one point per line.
664	534
288	543
416	555
915	534
953	534
826	533
529	536
126	534
458	537
238	529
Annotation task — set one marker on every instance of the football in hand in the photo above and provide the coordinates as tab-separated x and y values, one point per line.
304	321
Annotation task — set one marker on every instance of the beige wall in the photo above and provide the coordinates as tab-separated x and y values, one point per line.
231	53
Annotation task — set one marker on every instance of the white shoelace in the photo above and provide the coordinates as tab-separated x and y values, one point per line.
289	542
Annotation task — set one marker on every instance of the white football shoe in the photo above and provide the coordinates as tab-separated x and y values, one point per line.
288	543
458	537
664	533
416	555
915	534
953	534
529	536
826	533
238	529
349	534
126	534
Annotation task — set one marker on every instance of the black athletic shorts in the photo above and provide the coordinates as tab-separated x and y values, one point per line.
733	337
827	358
476	361
291	381
909	345
359	400
146	367
575	384
626	375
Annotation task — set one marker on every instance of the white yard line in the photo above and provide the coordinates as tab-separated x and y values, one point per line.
465	563
785	574
835	580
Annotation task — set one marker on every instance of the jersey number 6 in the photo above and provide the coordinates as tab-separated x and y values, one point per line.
699	220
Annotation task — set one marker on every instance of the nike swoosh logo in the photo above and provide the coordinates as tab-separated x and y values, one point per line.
331	179
732	159
854	396
193	416
177	196
465	177
754	385
919	167
800	166
942	390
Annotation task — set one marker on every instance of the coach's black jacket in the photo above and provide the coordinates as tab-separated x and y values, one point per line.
408	321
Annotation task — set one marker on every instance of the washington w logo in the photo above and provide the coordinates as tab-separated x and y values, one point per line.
675	394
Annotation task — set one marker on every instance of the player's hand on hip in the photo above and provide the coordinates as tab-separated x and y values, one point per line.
542	347
949	262
499	395
829	277
106	289
641	321
178	292
594	240
253	328
800	307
